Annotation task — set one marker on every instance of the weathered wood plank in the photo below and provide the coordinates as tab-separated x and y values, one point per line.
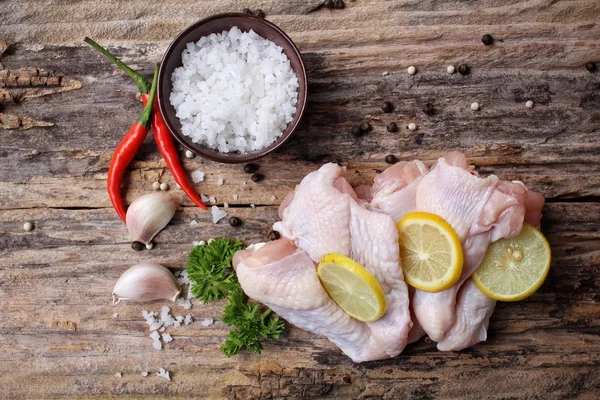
55	291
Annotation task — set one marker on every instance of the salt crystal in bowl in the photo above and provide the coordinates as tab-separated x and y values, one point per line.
218	24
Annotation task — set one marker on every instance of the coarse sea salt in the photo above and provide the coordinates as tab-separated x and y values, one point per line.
207	322
217	214
220	181
163	373
236	91
198	176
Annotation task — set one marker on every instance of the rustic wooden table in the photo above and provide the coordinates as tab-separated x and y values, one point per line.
70	108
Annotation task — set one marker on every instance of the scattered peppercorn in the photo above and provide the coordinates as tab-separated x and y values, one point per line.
419	138
257	177
412	126
464	69
450	69
28	226
487	39
339	4
365	126
138	246
247	11
274	235
156	185
328	4
387	107
250	168
529	104
259	13
391	159
475	106
164	186
189	154
428	109
235	221
356	131
592	67
411	70
392	127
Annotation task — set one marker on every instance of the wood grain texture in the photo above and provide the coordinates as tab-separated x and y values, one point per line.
57	335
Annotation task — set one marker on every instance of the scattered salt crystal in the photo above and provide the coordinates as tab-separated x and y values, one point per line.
252	205
184	303
190	294
195	243
188	319
164	313
155	325
162	373
212	199
162	329
198	176
193	222
225	205
144	373
273	198
189	154
412	126
475	106
164	186
115	315
157	345
156	185
155	335
450	69
411	70
150	246
176	324
201	243
179	318
220	181
235	197
385	73
204	198
207	322
118	374
182	278
217	214
529	104
167	338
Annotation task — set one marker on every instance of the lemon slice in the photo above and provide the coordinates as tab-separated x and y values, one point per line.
514	269
352	287
430	251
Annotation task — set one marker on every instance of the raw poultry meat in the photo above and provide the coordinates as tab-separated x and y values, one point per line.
481	211
323	216
326	215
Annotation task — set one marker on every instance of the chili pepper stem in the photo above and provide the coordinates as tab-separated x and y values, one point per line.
144	119
142	83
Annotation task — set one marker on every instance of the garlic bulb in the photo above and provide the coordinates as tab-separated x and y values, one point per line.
146	282
148	215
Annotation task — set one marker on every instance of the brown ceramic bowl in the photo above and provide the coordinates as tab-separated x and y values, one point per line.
216	24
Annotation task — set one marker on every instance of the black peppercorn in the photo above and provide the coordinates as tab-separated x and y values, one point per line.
259	13
365	126
356	131
392	127
592	67
138	246
339	4
487	39
274	235
247	11
419	138
387	107
328	4
464	69
428	109
235	221
257	177
250	168
391	159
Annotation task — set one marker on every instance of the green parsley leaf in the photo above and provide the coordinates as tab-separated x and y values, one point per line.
250	326
213	278
209	267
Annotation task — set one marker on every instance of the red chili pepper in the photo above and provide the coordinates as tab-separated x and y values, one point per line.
125	151
164	140
166	146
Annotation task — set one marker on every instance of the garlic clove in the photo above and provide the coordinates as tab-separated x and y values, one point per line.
146	282
148	215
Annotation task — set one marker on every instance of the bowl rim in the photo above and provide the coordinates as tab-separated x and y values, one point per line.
204	151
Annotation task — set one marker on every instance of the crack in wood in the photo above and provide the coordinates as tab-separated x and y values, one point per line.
11	121
27	83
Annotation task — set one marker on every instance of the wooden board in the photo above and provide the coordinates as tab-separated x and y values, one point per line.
57	335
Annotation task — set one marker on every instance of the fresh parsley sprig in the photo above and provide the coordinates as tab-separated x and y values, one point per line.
213	278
